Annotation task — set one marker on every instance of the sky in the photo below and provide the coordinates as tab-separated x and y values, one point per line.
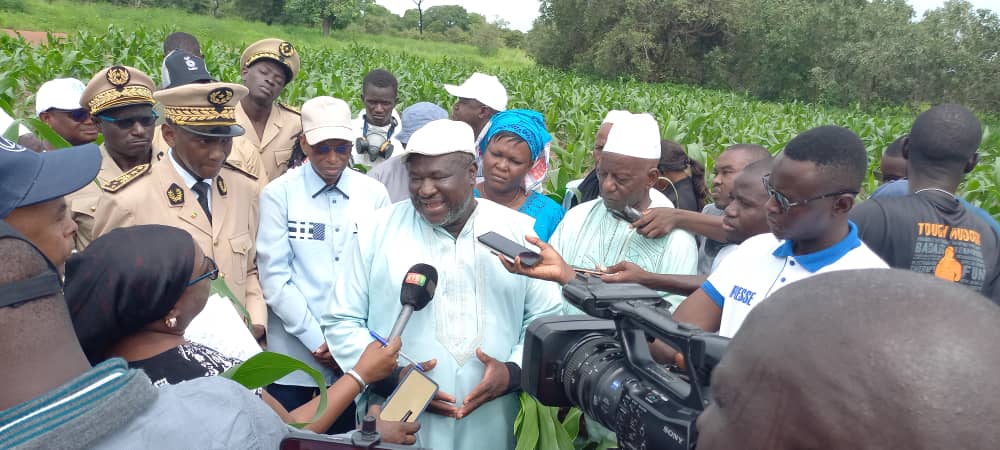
520	13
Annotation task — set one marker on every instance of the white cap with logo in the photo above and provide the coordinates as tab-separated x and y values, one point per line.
615	115
60	93
635	135
325	118
441	137
484	88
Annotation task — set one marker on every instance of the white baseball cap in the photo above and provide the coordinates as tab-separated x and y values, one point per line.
60	93
440	137
326	118
484	88
635	135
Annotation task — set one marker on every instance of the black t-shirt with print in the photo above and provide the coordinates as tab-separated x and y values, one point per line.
931	232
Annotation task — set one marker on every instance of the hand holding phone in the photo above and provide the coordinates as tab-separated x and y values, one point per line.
509	249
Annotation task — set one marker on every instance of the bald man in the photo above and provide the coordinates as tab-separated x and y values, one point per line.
866	363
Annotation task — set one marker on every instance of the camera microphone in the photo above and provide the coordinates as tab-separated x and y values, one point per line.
417	291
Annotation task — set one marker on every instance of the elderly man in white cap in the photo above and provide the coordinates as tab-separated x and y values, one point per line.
595	235
307	229
588	188
474	328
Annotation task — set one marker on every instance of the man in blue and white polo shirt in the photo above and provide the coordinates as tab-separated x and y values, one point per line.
811	187
307	224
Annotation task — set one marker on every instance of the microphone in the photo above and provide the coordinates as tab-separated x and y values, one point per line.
416	293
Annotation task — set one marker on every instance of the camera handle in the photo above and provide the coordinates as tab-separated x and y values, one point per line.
701	350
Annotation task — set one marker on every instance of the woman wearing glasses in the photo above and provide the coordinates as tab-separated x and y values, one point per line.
134	291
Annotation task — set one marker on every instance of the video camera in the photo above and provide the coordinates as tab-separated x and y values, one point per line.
601	364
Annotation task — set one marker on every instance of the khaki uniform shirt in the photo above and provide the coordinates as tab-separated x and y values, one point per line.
83	203
161	196
159	144
267	157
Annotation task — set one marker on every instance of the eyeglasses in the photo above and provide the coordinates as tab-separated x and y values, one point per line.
128	123
211	274
785	204
76	115
343	149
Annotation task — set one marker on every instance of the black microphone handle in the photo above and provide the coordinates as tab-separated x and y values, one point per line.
397	328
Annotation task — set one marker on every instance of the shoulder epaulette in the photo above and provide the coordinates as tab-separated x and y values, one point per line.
290	108
134	173
240	170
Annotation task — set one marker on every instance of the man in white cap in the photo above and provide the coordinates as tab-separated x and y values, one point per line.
475	325
57	103
307	229
589	188
593	236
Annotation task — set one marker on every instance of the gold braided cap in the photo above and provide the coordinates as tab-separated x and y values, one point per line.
202	104
115	87
276	50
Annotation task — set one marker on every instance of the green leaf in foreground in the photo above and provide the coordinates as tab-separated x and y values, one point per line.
265	368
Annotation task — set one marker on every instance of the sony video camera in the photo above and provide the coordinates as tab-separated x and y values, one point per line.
601	364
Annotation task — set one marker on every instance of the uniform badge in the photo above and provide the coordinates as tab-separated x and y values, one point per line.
219	97
118	76
286	50
175	195
221	184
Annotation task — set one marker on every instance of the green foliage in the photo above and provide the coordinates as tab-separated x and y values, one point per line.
704	121
836	51
441	18
13	5
265	368
538	426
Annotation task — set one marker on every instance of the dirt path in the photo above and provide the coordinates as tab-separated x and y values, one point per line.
34	37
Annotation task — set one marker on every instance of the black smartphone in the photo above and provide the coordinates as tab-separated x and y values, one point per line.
629	214
509	248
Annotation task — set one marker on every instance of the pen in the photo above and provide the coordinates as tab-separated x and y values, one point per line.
382	341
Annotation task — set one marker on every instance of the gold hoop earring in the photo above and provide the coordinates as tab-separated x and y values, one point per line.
170	322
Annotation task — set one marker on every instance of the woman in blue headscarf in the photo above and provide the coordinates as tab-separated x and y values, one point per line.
514	142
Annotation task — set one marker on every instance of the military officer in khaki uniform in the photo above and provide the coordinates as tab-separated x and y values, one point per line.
193	187
120	98
271	128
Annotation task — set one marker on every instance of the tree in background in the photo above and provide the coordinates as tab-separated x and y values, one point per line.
443	17
329	13
420	15
836	51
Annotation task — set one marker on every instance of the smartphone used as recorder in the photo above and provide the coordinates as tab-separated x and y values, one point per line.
410	398
509	249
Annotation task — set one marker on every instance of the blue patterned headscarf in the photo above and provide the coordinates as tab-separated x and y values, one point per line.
528	124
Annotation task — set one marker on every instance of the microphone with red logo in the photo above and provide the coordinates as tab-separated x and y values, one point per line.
416	293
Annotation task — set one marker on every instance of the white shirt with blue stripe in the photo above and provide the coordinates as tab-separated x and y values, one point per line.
763	264
305	229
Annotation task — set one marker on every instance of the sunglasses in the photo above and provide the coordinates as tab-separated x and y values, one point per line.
211	274
784	204
128	123
343	149
76	115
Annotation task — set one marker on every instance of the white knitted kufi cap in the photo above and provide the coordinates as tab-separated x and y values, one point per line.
635	135
614	116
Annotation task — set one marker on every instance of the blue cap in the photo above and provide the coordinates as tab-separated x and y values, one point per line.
418	115
30	177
